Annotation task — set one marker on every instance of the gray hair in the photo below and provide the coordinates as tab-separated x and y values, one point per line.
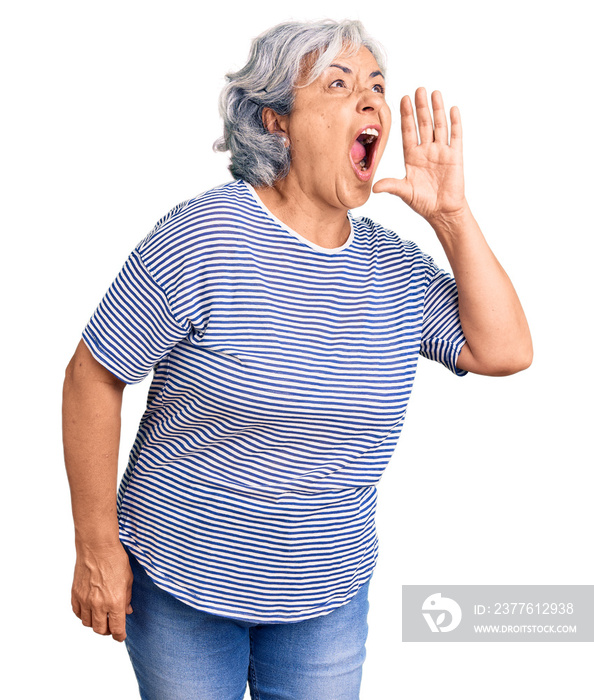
269	79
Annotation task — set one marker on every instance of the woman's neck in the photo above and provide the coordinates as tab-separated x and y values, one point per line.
326	226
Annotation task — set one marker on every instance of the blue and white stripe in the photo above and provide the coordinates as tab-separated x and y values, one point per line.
282	372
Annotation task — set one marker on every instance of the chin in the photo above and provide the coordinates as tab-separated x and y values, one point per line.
356	195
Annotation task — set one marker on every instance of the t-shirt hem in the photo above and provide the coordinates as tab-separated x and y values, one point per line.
162	582
445	352
100	354
457	349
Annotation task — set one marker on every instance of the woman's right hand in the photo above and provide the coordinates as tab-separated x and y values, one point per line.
102	589
102	586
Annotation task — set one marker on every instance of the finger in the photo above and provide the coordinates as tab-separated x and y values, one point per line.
117	626
440	120
394	186
86	617
456	139
76	609
423	116
100	623
407	123
129	609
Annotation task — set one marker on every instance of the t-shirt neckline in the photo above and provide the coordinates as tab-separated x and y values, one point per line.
302	239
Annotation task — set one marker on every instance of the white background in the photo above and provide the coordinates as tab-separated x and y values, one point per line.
110	111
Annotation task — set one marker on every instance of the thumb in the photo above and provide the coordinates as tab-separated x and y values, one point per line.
389	184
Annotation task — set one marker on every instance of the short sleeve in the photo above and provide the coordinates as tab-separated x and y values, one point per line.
442	337
133	327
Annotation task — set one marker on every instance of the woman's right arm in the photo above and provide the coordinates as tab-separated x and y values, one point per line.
91	419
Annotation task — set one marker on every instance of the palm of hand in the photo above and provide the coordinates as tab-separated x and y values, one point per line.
434	182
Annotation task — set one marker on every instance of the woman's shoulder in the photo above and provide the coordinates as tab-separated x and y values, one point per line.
203	219
385	239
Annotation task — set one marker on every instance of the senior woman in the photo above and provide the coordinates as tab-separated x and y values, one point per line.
284	335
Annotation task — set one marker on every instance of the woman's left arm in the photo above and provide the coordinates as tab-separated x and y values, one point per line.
497	336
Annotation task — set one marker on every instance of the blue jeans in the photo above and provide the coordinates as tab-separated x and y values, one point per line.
180	653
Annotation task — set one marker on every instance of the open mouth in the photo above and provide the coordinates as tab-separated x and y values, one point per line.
363	151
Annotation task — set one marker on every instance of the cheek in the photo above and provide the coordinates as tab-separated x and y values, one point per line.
386	122
324	152
386	119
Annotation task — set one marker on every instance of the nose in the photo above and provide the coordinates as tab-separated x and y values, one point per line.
370	101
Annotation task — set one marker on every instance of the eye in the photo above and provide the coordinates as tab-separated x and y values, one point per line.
378	88
338	83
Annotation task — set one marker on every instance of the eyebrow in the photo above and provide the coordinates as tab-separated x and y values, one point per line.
348	70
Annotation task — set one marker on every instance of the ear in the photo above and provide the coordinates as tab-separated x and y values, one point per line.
273	122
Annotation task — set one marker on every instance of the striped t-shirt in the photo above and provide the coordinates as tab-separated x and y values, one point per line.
282	371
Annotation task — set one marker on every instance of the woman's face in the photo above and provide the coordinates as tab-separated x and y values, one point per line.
338	130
